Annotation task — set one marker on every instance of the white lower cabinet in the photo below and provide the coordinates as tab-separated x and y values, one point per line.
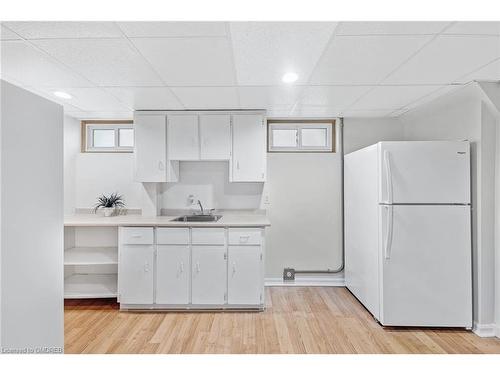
209	268
135	274
191	268
245	285
173	274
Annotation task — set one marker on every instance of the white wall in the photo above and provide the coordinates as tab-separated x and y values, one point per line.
458	116
105	173
362	132
492	91
31	221
208	181
71	150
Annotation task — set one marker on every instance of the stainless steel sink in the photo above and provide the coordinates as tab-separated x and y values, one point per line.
198	218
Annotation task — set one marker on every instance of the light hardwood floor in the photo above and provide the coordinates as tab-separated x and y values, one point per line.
297	320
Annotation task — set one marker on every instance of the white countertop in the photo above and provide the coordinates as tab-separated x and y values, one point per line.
227	220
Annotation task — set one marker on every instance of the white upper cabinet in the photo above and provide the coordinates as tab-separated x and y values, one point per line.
183	142
215	136
150	148
163	139
248	163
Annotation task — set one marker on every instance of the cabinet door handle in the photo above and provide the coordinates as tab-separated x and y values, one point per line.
237	164
161	167
197	267
234	268
182	267
146	267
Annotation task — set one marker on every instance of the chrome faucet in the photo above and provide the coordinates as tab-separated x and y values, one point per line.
201	207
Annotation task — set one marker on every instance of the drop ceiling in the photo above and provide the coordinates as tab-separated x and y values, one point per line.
352	69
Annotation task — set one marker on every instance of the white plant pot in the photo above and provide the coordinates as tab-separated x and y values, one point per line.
108	211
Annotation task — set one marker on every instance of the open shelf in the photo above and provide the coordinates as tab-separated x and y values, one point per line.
90	286
78	256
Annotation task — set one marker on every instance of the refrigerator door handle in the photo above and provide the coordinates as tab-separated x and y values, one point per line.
388	234
388	176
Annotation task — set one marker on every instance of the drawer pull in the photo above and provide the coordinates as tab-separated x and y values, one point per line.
244	239
136	235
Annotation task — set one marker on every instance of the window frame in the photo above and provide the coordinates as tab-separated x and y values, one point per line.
328	124
88	126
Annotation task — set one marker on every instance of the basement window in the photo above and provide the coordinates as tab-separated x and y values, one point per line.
107	136
301	136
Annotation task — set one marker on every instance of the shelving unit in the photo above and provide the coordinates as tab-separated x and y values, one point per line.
78	256
90	262
90	286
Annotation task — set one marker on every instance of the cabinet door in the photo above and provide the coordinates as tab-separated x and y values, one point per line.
245	275
150	148
136	274
182	137
172	274
215	136
209	269
249	149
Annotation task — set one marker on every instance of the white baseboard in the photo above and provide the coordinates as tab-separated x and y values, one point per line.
309	280
485	330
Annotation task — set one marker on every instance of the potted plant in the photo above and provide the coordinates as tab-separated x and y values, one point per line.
109	204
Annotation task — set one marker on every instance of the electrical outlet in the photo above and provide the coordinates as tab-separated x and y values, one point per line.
289	274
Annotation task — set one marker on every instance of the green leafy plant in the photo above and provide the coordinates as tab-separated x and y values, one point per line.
113	201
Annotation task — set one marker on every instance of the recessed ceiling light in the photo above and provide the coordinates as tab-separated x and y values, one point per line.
289	77
62	95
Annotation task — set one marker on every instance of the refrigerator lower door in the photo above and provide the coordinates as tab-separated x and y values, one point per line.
426	277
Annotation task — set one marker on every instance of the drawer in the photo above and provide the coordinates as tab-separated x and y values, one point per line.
245	236
136	236
208	236
172	236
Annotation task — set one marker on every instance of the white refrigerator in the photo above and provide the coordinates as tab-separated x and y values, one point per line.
408	232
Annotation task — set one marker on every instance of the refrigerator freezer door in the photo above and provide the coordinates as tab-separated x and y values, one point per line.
424	172
426	277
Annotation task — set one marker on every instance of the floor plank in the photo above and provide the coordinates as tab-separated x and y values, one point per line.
296	320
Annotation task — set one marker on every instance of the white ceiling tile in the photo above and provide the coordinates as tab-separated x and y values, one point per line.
315	111
333	96
146	97
390	28
26	65
207	97
392	97
351	60
268	96
106	62
474	28
190	61
173	29
365	113
6	34
90	99
68	106
89	115
489	72
264	51
446	59
65	29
